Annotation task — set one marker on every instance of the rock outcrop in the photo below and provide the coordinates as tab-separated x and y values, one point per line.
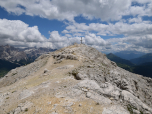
76	79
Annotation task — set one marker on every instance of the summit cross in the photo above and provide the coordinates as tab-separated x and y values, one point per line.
81	40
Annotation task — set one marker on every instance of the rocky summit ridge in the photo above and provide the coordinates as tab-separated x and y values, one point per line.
74	80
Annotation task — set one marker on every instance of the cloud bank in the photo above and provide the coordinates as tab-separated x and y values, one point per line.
132	33
68	9
19	34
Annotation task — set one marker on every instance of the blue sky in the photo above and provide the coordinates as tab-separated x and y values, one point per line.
43	24
109	26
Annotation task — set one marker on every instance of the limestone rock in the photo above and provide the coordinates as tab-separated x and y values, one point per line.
81	77
65	56
115	109
58	61
22	107
134	101
21	72
66	67
45	70
24	94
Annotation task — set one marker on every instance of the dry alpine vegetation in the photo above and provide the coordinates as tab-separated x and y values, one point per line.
74	80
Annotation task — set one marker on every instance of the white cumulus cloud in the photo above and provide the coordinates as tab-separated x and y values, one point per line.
68	9
16	32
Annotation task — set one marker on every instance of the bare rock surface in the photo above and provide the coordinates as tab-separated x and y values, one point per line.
22	108
115	109
74	80
21	72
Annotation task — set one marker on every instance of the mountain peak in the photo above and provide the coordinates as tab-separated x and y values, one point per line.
75	79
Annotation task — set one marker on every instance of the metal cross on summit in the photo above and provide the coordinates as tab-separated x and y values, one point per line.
81	40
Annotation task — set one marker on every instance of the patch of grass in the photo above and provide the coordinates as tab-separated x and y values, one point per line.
6	66
13	91
141	112
7	97
3	72
26	110
130	108
97	104
14	74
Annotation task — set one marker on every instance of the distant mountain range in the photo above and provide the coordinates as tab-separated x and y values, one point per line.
125	64
11	54
143	59
144	69
21	56
11	57
119	60
128	55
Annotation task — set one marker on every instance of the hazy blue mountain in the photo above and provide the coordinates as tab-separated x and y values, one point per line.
125	64
129	54
146	64
143	59
119	60
6	66
143	69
